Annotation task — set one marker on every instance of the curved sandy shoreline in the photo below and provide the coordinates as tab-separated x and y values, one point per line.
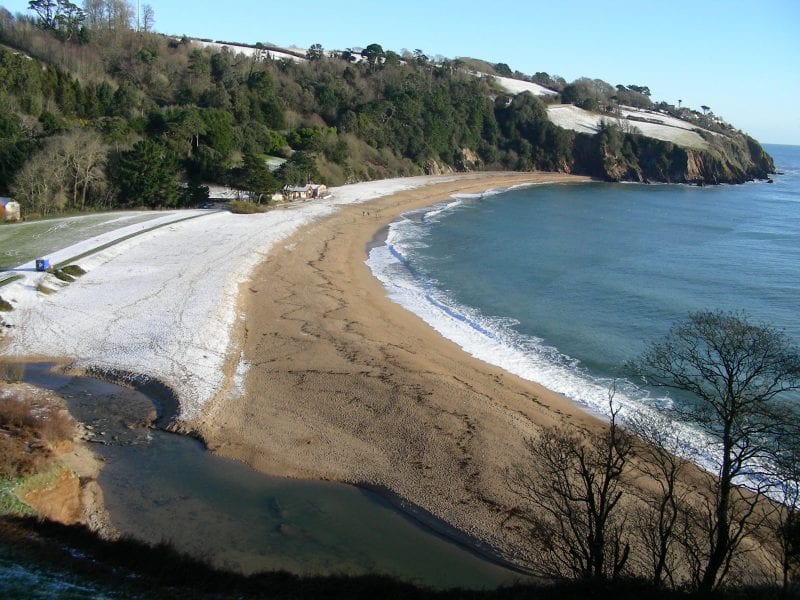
343	384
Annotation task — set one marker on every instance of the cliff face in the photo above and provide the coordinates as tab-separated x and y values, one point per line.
630	157
730	160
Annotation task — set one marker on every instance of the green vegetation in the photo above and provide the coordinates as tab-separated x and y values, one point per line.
73	270
62	276
24	242
5	306
10	504
29	432
95	115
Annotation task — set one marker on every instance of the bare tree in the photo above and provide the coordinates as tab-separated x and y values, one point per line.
736	372
786	493
660	517
148	17
38	186
570	500
67	172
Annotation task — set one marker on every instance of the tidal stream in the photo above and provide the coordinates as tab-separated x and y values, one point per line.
160	486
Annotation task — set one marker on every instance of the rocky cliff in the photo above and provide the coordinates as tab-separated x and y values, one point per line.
618	156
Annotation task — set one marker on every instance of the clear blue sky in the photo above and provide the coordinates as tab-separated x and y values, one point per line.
740	57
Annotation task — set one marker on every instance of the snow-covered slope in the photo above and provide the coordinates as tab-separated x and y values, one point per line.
649	123
516	86
250	51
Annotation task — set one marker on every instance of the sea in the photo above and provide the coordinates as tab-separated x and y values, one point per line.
565	284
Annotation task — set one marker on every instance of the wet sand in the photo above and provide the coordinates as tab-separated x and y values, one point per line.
345	385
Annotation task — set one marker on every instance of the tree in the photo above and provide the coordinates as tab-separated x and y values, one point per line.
373	54
660	517
148	18
60	16
255	178
300	169
145	175
571	499
48	11
67	173
315	52
735	373
503	69
787	521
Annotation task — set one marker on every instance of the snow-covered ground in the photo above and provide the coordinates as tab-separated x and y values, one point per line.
516	86
249	51
668	128
163	303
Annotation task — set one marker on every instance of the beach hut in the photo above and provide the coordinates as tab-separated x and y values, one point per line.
9	210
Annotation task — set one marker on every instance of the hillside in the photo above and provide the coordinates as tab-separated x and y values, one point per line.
109	117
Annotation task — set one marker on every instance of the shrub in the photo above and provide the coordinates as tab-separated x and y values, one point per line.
28	433
73	271
62	276
246	208
5	306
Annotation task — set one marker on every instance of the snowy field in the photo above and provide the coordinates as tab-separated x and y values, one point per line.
162	303
248	51
668	129
516	86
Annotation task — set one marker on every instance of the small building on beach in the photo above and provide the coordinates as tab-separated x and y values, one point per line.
9	210
304	192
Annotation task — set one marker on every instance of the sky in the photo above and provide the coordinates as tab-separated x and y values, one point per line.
739	57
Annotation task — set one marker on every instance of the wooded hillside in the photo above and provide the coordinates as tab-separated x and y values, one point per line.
95	114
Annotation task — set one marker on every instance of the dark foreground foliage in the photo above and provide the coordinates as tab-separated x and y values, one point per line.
135	569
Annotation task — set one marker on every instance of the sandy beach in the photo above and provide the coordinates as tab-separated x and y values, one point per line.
342	384
283	350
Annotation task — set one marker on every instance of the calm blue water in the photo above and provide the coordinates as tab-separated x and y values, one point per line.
563	284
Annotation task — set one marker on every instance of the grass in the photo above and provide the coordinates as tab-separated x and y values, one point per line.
23	242
62	276
40	481
7	280
10	504
5	306
12	372
28	432
73	270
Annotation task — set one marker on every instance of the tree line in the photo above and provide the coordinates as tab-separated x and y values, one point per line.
98	79
627	501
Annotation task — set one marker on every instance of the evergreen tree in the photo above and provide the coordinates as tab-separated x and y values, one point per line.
145	175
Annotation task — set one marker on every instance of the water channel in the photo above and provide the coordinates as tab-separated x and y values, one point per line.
160	486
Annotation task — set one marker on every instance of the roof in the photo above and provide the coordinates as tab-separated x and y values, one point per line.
302	188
